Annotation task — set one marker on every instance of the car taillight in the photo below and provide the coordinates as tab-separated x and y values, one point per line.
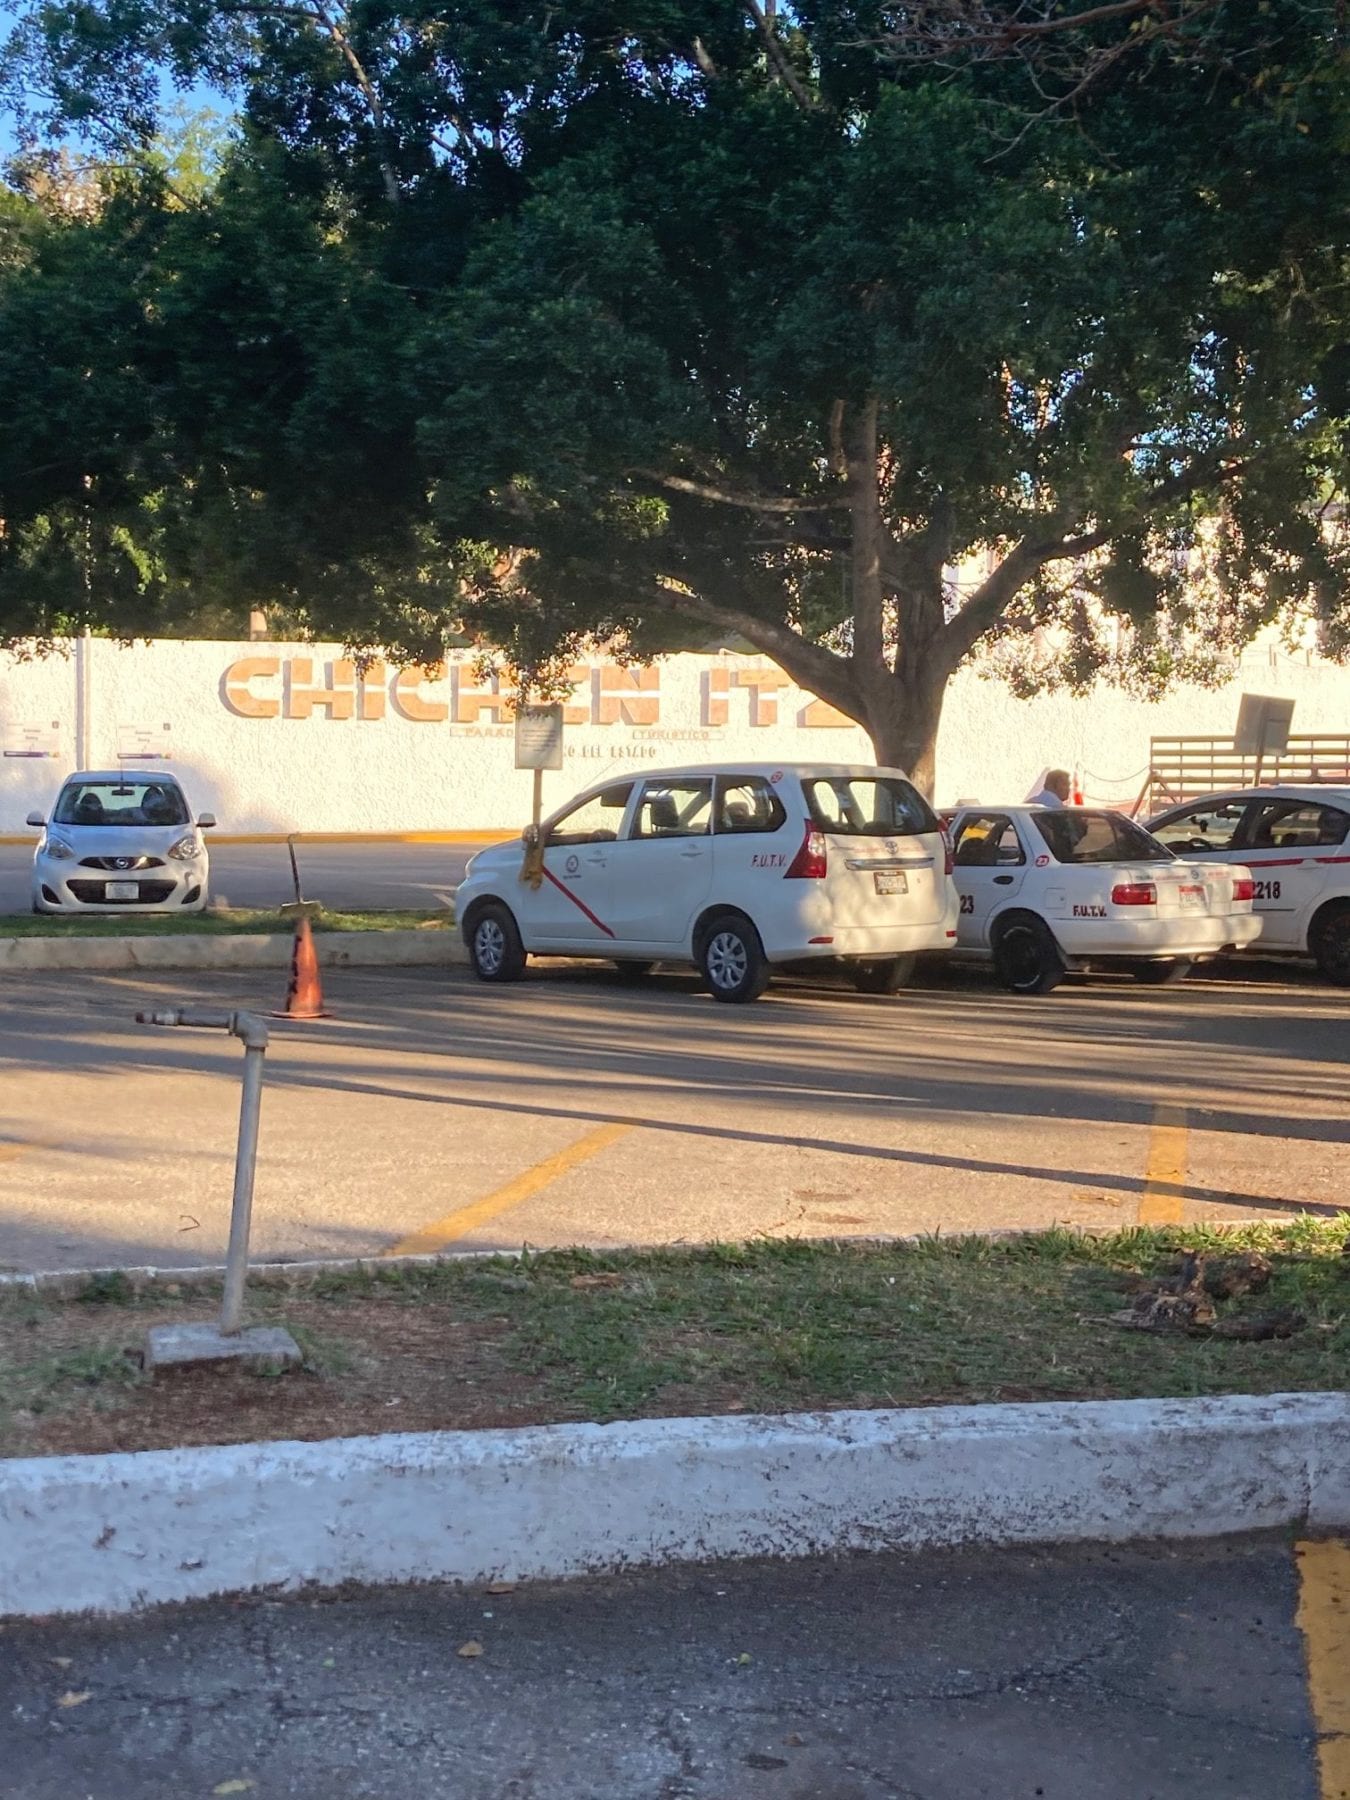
811	862
1244	888
1134	893
949	855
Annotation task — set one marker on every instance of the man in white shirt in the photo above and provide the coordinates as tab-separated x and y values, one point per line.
1056	791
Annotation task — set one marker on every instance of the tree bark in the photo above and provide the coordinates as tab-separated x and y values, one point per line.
903	716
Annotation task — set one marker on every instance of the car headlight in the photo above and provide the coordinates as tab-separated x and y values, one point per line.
57	847
186	847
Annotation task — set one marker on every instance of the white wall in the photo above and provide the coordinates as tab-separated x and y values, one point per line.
380	769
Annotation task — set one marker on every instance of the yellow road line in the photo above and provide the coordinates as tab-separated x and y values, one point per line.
1324	1619
1165	1175
460	1223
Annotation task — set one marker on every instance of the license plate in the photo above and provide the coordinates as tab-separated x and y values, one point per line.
1192	894
891	881
123	890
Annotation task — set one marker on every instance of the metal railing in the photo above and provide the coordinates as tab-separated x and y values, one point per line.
1186	768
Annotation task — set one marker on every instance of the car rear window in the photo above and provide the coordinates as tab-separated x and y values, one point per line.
135	801
867	806
1076	836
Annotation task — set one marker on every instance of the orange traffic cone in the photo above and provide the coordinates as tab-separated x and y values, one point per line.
304	996
1077	787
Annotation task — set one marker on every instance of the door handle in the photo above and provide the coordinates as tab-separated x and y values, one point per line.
1003	881
693	851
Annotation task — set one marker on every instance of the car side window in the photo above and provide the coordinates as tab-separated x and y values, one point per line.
1297	825
593	821
674	809
988	840
1202	829
747	803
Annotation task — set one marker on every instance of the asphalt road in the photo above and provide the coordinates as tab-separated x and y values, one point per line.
341	875
434	1112
1148	1673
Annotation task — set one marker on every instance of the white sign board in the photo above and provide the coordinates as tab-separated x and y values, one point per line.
1263	725
539	737
26	739
144	743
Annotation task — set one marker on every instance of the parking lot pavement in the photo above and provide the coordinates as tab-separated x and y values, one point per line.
1128	1674
432	1111
352	876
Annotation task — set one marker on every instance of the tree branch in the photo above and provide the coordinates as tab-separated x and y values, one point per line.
760	503
704	61
373	101
315	13
998	591
779	58
817	670
869	537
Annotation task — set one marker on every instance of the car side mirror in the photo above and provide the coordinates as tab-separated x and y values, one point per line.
35	819
206	820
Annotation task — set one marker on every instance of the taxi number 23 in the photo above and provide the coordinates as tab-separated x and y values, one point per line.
967	903
1267	890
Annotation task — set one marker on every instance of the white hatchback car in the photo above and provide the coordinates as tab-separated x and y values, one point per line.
733	869
1046	888
118	842
1296	842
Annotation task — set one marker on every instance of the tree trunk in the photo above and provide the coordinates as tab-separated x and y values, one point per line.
903	715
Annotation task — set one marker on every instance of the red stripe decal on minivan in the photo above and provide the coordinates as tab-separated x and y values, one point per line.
580	904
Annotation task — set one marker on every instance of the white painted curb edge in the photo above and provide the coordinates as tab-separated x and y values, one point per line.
240	950
115	1533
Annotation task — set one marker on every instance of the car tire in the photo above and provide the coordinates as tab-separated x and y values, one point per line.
1027	959
732	959
495	949
1163	974
1329	942
884	974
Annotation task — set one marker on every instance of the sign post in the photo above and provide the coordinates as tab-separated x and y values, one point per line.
1263	727
539	746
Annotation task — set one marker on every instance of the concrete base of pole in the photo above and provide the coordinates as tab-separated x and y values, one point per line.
191	1346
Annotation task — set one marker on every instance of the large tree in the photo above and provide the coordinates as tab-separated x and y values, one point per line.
671	319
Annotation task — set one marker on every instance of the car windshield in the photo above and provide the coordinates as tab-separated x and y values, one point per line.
136	801
867	806
1078	836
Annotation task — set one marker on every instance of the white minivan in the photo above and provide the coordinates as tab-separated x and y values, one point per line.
733	868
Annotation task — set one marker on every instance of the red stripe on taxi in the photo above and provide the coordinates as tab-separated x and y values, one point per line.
599	924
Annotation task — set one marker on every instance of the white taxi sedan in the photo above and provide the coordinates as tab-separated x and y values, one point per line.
1296	842
733	869
1046	889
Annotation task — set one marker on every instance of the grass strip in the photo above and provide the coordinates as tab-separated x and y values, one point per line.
225	922
764	1326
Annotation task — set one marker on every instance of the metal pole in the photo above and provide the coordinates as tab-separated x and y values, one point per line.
252	1034
295	868
241	1213
83	699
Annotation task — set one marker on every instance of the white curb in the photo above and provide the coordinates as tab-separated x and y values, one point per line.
242	950
114	1533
